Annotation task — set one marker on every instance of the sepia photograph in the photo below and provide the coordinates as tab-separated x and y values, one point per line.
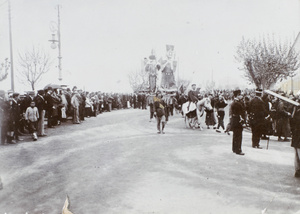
150	107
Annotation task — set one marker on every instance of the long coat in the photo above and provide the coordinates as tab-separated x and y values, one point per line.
295	127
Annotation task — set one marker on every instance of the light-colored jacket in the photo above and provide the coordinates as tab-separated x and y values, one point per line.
75	101
32	114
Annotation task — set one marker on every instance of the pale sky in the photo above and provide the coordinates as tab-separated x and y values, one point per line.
104	40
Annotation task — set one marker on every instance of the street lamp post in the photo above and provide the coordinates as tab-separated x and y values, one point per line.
58	41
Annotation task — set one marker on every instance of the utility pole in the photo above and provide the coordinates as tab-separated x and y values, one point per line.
11	49
56	28
59	46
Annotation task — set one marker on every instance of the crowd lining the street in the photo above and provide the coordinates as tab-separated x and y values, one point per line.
25	114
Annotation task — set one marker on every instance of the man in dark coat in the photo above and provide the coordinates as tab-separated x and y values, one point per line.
295	128
220	106
257	112
49	106
237	119
40	103
16	115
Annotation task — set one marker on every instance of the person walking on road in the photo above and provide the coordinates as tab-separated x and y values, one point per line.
159	112
237	116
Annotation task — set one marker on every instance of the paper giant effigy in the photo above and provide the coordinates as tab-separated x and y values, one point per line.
168	68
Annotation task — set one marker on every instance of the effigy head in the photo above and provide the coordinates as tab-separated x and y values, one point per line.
170	50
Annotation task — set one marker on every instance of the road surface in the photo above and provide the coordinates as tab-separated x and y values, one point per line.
117	163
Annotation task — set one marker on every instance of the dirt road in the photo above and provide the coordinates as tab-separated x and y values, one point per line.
117	163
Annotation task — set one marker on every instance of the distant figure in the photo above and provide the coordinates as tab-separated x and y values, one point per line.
151	67
168	68
159	113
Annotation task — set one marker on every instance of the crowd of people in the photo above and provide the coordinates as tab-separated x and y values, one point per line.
27	113
266	115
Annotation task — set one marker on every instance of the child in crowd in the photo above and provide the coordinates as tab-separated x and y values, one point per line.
32	116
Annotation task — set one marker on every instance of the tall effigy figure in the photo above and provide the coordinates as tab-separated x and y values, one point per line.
168	68
151	68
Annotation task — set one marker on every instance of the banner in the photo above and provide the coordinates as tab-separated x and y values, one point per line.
282	97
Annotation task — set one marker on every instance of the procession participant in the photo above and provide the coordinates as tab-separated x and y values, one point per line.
16	115
192	96
220	106
210	114
257	112
159	113
168	68
237	116
40	103
32	116
183	98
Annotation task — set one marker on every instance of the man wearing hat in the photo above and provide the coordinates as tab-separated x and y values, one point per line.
237	118
49	106
159	112
192	95
29	97
257	112
40	103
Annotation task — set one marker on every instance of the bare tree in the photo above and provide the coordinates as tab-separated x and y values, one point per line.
267	62
4	69
210	85
138	80
33	64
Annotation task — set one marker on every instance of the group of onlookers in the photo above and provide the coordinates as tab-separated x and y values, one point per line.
28	113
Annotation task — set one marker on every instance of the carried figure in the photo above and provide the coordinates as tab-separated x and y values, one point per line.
168	68
151	68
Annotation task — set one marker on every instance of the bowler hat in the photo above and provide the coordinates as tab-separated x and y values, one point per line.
237	92
15	94
31	93
258	91
40	92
